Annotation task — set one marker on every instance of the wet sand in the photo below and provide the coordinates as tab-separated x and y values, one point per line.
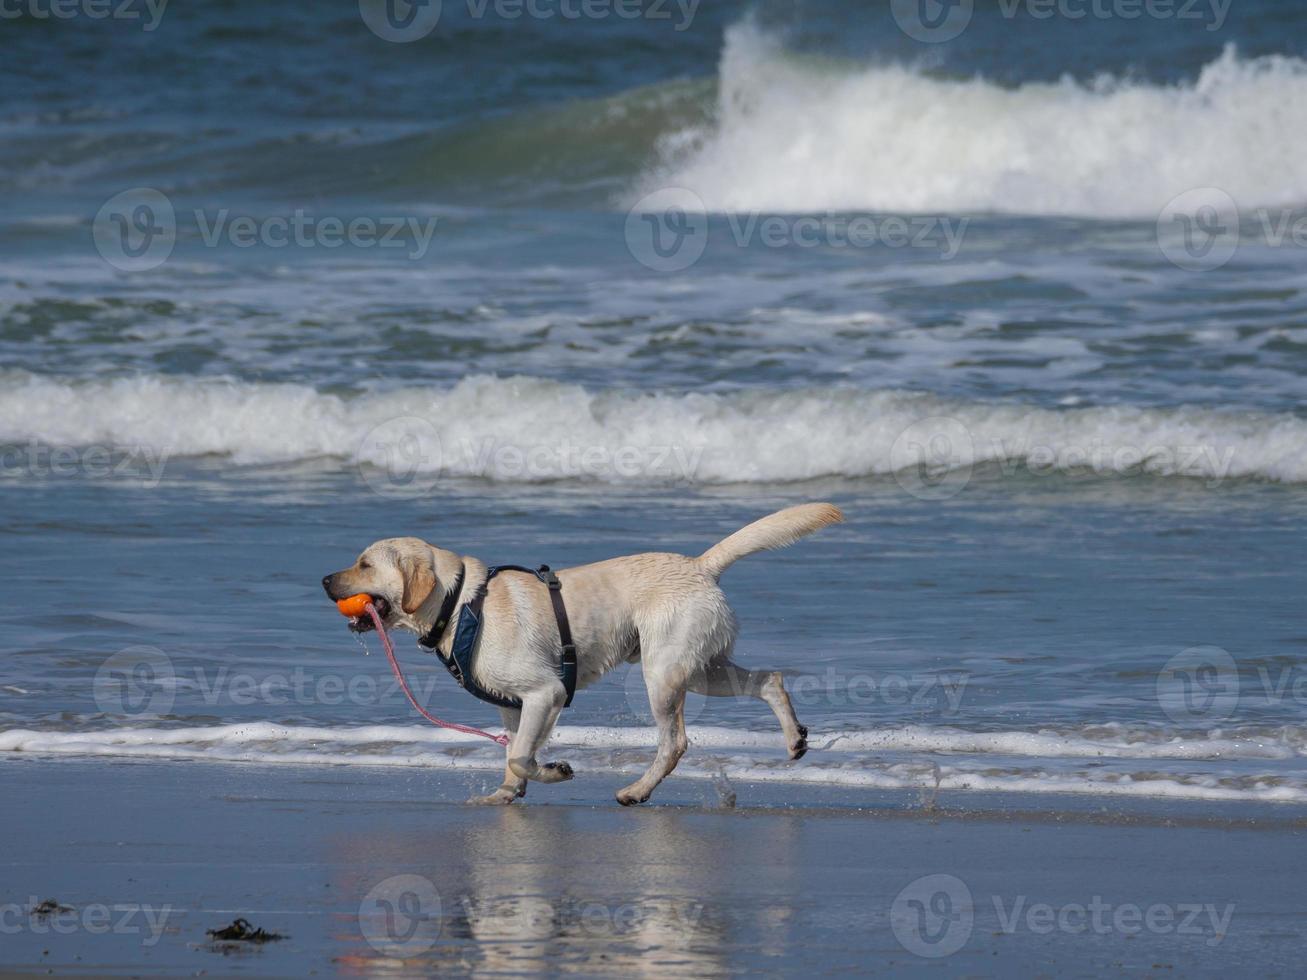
383	872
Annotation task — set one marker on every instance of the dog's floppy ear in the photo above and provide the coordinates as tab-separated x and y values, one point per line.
419	573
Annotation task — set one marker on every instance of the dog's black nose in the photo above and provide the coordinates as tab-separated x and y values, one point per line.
326	584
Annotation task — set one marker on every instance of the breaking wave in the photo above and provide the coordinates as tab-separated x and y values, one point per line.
530	430
800	135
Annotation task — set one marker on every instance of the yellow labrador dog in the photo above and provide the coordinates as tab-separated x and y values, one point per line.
665	611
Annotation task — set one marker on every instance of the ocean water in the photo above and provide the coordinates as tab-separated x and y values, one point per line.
1027	303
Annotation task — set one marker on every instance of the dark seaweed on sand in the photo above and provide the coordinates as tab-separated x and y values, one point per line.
50	907
241	931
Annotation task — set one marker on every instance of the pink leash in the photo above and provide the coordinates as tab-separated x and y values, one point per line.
399	676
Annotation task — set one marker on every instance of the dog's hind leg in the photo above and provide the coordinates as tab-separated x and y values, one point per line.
667	700
513	786
540	713
723	679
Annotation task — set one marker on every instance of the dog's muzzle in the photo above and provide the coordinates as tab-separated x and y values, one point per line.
359	624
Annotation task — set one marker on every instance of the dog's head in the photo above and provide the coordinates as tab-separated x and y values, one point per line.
398	573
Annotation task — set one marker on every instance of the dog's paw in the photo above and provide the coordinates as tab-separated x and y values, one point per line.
628	798
500	797
799	747
555	772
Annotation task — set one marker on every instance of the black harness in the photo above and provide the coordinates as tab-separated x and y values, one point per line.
459	662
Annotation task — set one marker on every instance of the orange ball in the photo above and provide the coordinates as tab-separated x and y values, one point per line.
355	605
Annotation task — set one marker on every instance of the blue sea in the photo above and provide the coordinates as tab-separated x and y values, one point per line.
1028	301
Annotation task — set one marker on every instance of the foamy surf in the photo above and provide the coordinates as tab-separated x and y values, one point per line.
796	135
523	430
910	758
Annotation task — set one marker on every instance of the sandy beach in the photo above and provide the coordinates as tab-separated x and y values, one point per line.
370	872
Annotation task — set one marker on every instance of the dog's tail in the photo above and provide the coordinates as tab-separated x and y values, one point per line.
774	531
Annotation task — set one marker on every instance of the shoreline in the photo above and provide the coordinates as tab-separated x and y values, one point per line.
696	791
616	752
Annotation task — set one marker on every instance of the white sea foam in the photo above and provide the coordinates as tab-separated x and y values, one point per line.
915	757
791	135
525	429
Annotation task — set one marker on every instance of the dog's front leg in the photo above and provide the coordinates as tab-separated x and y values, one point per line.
513	786
540	711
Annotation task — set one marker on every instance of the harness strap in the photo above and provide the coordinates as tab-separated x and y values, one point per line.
567	665
431	638
459	662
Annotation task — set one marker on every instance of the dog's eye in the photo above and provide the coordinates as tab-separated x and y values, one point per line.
365	565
